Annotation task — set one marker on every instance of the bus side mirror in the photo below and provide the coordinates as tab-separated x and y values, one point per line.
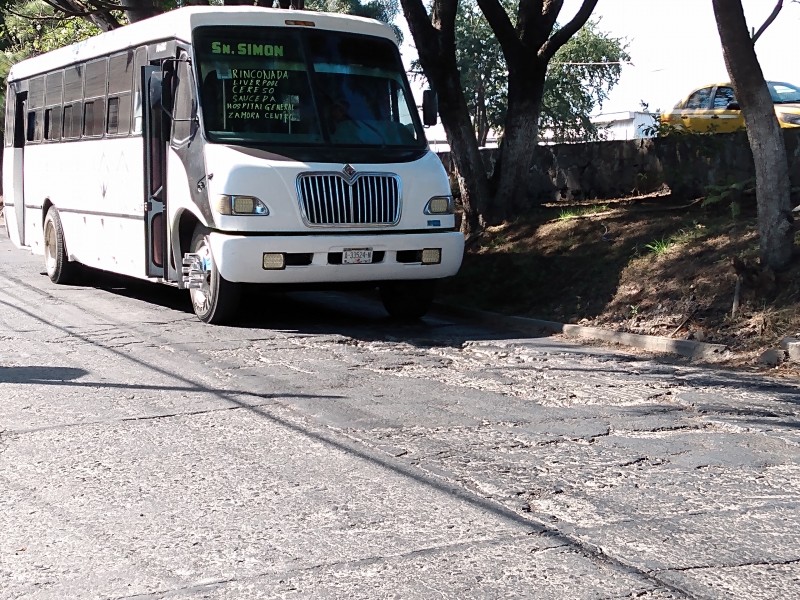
430	108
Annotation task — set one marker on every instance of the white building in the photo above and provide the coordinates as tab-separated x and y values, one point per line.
626	125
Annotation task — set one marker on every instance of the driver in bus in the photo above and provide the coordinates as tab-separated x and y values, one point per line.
345	128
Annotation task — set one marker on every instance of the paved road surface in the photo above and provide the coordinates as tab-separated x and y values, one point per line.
318	450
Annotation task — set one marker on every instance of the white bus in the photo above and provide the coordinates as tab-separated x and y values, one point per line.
213	147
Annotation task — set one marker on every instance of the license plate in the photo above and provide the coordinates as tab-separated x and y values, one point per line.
357	256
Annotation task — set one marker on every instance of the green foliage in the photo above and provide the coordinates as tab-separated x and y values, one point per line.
31	28
35	27
659	247
683	236
482	68
579	78
732	193
382	10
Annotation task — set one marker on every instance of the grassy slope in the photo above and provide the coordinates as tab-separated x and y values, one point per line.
651	265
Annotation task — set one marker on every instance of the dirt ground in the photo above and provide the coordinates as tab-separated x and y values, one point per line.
653	265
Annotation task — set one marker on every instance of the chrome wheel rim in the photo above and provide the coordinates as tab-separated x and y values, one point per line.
201	296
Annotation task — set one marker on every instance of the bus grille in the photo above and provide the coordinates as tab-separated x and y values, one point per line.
329	199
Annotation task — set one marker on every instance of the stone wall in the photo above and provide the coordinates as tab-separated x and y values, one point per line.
687	164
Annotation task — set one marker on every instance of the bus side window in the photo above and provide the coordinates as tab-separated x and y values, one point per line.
52	124
30	129
89	119
184	105
73	94
139	60
48	118
120	84
94	93
112	122
212	101
33	131
54	88
67	122
35	110
11	102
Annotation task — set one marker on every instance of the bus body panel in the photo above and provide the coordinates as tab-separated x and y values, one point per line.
180	202
274	181
97	189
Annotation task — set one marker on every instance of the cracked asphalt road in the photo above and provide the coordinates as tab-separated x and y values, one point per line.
318	450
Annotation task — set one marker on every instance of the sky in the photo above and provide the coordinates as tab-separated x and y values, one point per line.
674	47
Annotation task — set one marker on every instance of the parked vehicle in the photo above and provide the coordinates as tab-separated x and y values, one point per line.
200	149
714	108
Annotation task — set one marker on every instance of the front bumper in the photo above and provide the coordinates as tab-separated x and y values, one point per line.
239	258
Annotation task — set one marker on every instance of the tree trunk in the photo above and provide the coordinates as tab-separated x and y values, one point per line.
515	156
139	10
473	181
527	47
773	191
436	50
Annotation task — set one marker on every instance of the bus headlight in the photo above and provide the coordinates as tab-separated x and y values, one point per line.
240	205
439	205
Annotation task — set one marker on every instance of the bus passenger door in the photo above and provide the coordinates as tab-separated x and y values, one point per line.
154	131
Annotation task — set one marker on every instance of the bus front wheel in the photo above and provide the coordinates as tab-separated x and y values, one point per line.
407	300
56	261
216	299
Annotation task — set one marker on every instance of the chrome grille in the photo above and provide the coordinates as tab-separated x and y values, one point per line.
368	199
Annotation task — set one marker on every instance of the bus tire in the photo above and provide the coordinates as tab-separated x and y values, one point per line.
217	300
56	260
407	300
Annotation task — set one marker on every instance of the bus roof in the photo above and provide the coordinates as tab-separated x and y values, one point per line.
178	24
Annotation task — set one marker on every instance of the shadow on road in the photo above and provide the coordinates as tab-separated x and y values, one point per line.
360	315
39	374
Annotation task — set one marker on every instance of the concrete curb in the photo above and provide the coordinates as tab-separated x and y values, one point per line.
686	348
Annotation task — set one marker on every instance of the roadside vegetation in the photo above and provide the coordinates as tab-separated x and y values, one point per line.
655	265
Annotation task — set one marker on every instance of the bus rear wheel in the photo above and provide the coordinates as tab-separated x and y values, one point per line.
407	300
56	261
216	299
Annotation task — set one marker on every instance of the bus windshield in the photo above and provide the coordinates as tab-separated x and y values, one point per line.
277	86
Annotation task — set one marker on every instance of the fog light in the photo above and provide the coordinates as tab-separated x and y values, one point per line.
431	256
439	205
272	261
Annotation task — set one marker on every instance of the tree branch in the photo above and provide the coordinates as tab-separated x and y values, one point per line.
562	36
418	19
769	21
546	20
502	27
